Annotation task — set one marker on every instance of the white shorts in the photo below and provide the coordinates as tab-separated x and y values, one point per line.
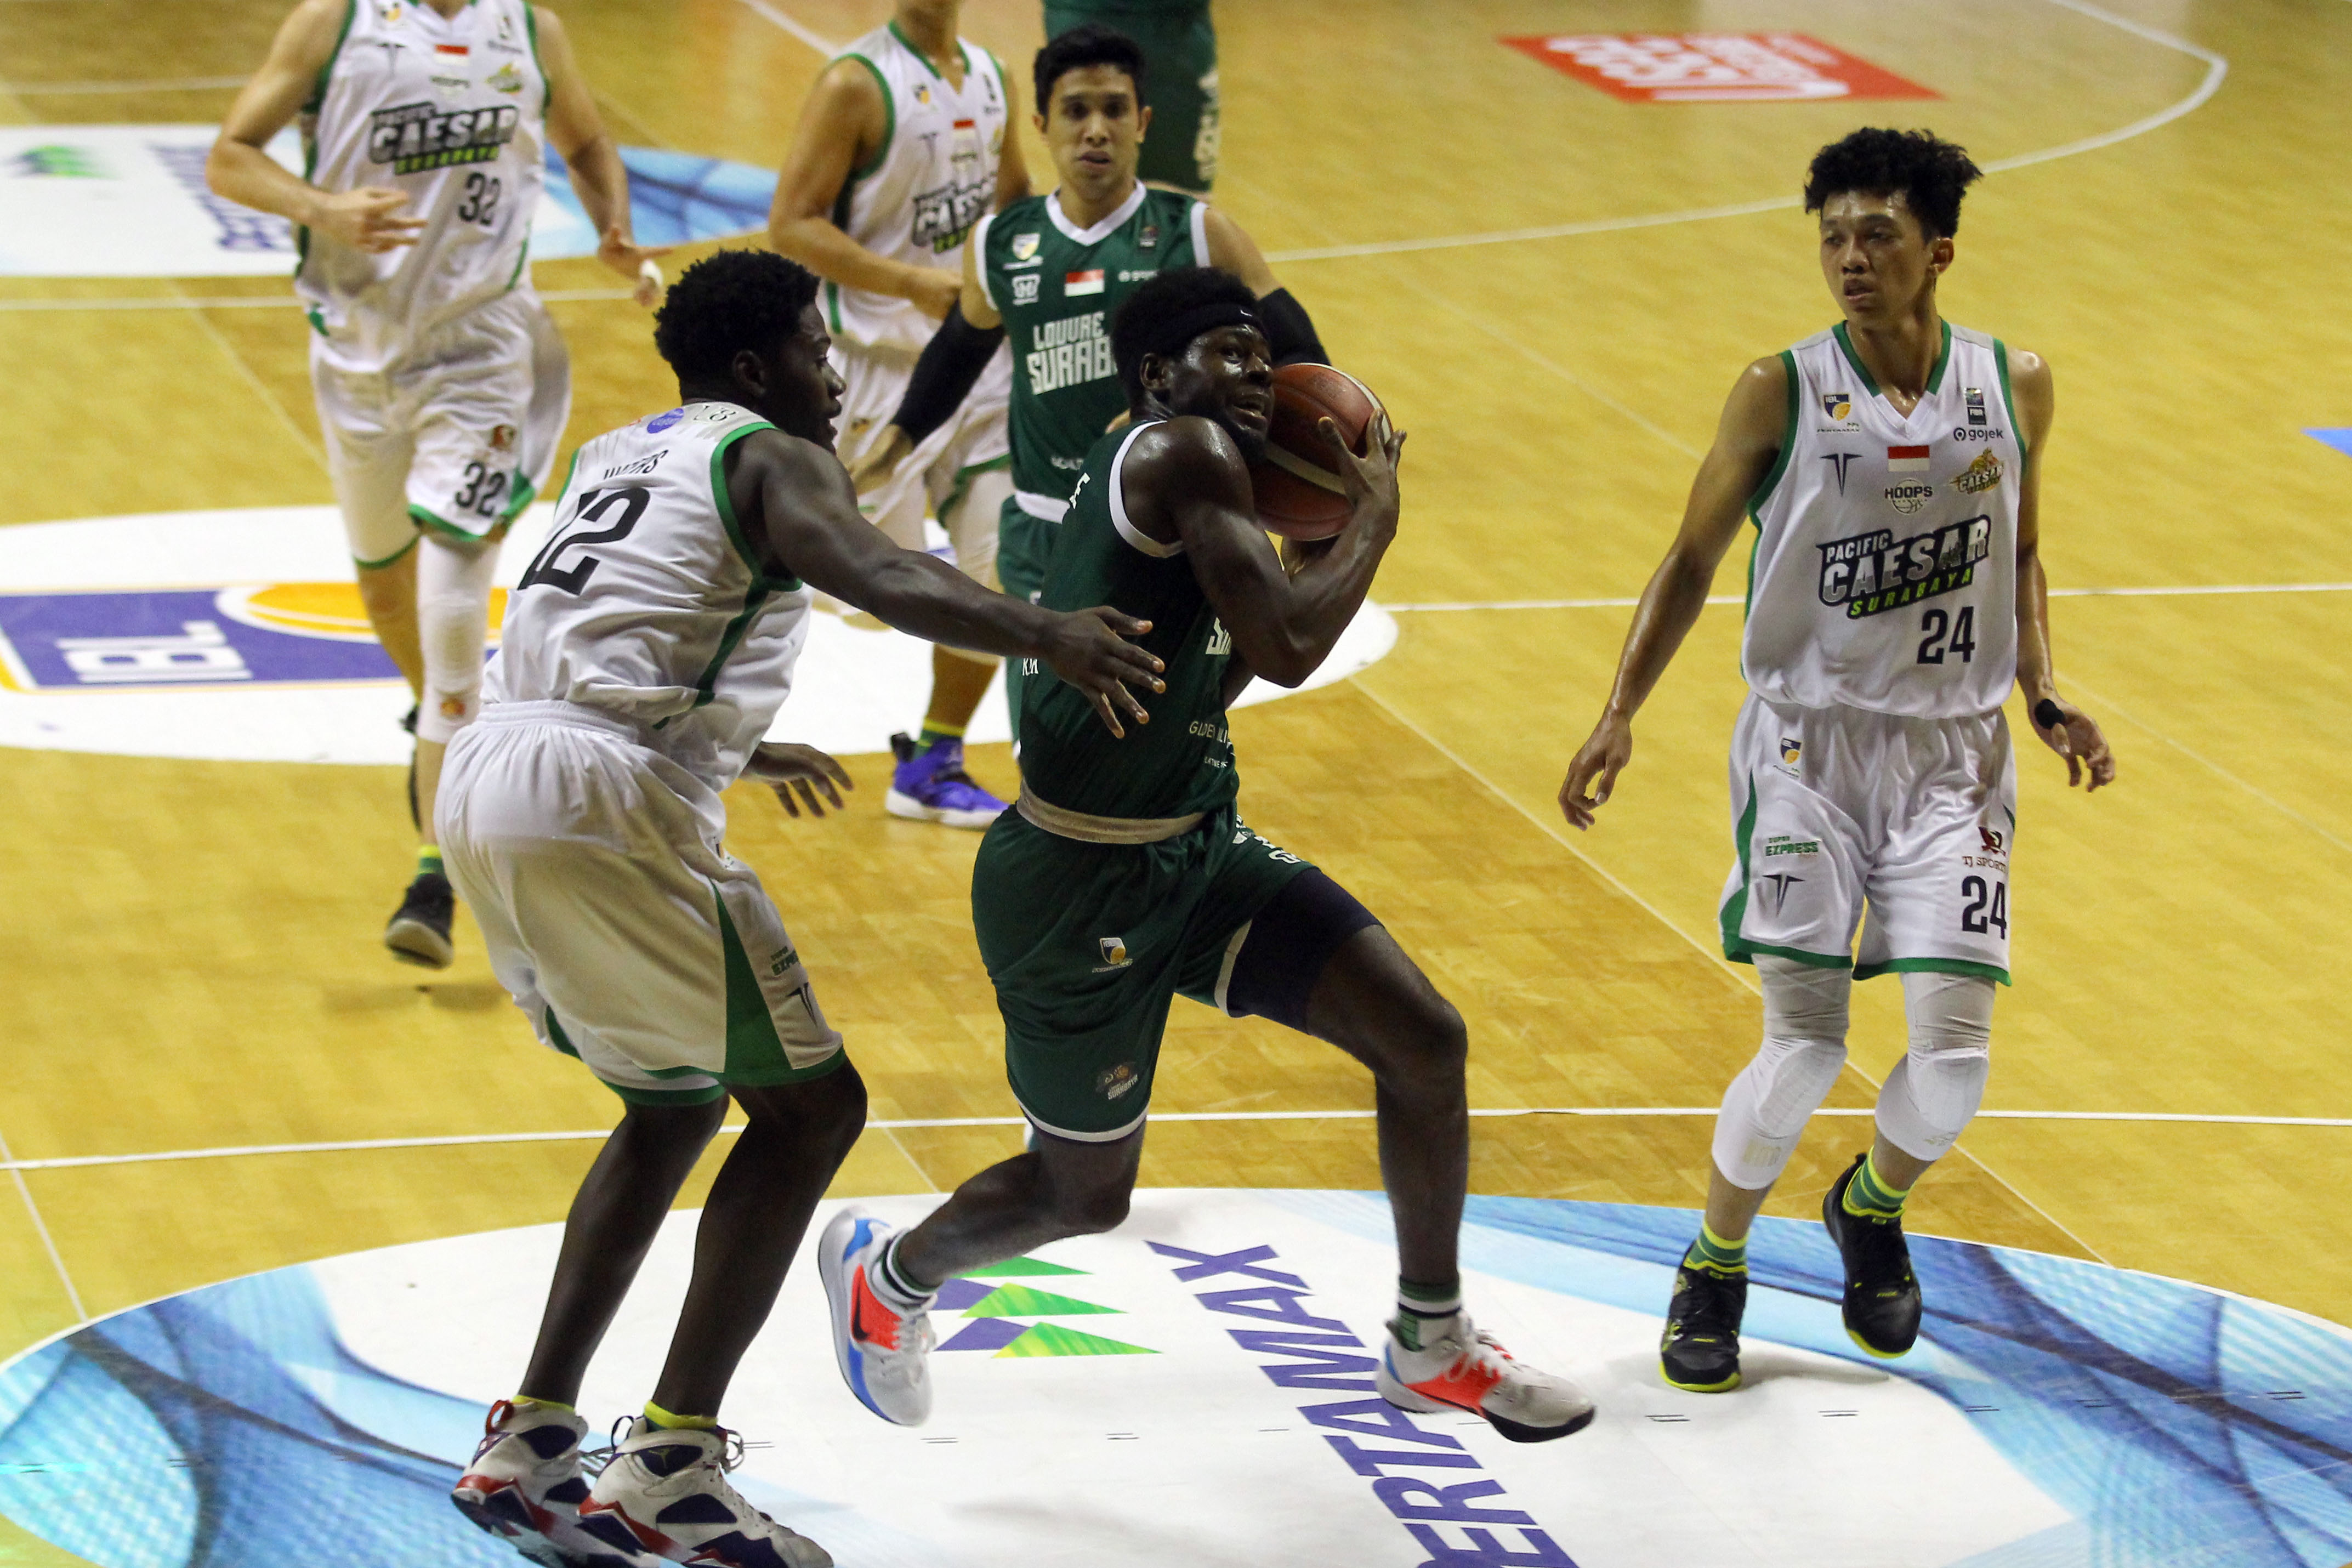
1836	812
940	475
459	436
624	934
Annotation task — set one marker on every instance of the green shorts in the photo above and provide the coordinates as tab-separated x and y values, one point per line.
1179	72
1087	943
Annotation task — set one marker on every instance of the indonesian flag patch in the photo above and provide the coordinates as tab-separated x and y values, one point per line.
1091	282
1906	460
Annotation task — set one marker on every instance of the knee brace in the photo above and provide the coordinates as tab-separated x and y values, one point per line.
1767	1105
453	619
1935	1089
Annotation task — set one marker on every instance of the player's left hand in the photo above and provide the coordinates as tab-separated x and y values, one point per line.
785	767
634	262
2077	738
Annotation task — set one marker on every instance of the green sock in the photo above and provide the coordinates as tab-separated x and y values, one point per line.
1710	1251
1872	1195
1421	1301
934	733
428	861
670	1423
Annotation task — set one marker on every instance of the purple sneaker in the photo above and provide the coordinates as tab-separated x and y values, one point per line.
931	785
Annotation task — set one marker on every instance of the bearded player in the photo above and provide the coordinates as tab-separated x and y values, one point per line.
1126	877
1892	467
648	647
441	384
902	147
1048	272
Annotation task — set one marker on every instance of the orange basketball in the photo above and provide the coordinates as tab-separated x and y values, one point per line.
1298	494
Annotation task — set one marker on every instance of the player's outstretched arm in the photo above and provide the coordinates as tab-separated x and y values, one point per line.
797	504
943	377
2064	728
598	178
1187	481
366	218
1747	439
1289	331
844	122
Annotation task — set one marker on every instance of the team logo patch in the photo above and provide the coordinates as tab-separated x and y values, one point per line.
1871	574
1024	289
1112	1082
1838	405
1993	842
505	79
502	438
1908	496
1114	952
1786	843
1981	475
1147	238
1791	751
1090	281
1841	461
1025	247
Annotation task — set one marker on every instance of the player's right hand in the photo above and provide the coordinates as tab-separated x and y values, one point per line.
933	291
1594	771
880	459
1371	479
1089	649
367	219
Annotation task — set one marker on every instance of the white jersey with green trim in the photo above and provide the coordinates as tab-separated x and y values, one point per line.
1884	576
452	112
916	200
647	602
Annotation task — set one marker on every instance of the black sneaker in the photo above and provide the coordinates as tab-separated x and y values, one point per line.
1700	1348
1882	1295
419	931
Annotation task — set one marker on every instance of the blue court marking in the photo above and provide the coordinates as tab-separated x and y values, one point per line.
2338	437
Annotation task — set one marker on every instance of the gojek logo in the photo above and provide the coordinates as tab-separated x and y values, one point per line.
994	1299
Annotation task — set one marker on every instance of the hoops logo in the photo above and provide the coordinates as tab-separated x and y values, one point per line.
1871	574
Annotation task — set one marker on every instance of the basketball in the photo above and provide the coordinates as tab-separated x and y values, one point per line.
1298	494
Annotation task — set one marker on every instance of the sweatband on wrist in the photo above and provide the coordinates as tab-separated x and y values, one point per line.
943	377
1288	332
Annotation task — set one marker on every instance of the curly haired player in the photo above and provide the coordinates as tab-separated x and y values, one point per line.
1891	468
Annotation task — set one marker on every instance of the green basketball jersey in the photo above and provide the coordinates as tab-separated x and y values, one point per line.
1181	762
1056	285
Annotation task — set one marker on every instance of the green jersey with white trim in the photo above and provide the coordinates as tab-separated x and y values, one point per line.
1056	285
1182	761
649	602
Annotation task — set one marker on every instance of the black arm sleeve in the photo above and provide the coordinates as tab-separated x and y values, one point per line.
943	377
1289	331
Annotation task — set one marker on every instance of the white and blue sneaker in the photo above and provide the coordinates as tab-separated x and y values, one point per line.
524	1486
663	1496
884	1353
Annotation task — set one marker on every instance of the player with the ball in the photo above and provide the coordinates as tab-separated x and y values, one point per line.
1124	876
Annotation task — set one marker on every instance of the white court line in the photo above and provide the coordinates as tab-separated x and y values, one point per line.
41	1228
253	301
2174	591
78	88
821	45
2216	70
593	1134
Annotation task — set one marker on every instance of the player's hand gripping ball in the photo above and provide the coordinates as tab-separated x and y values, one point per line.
1299	496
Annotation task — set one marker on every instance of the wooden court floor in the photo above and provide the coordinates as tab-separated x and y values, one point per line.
190	957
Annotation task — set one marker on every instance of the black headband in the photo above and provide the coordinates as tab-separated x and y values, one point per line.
1172	337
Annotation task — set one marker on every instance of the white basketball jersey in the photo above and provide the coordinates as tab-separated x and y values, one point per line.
648	603
452	112
917	199
1884	576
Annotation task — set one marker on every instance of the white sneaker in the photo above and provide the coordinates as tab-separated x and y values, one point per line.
664	1496
524	1486
884	1357
1458	1368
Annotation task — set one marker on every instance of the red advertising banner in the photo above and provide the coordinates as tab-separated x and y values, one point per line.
1716	68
